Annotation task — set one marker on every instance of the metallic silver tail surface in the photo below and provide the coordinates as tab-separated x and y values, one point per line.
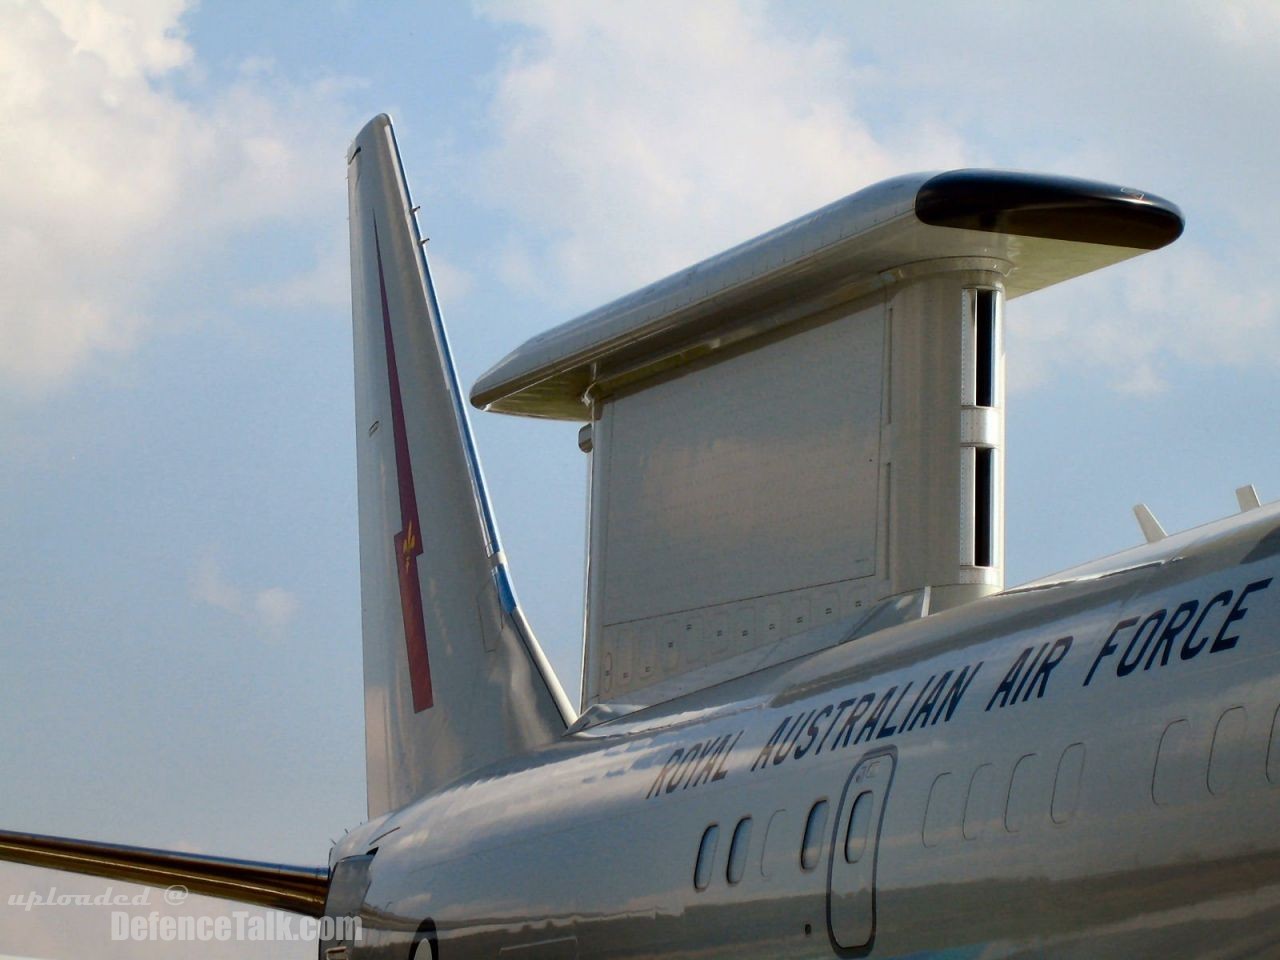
453	678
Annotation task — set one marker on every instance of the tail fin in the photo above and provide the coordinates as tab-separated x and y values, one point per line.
453	678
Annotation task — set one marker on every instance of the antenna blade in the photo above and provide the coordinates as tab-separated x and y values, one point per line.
1151	528
1247	497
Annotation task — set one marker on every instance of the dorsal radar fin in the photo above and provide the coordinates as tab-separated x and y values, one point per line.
454	679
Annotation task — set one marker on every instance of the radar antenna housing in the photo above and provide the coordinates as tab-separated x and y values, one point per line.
807	430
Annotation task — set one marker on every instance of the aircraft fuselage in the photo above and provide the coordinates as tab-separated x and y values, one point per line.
1081	768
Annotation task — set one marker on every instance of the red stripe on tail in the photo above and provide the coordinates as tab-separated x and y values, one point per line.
408	542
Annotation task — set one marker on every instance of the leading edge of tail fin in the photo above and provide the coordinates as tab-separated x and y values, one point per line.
453	677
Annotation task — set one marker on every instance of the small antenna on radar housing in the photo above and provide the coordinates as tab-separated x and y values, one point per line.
1247	497
1151	528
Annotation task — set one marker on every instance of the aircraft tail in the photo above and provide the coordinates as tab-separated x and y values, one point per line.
453	677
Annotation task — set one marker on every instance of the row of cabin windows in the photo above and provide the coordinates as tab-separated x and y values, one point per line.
945	814
1187	764
1190	762
811	845
1179	769
962	808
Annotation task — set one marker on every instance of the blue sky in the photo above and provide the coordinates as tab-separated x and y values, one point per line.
178	573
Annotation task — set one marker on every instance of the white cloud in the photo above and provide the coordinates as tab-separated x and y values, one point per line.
271	608
1248	23
1139	323
208	585
326	284
452	282
637	148
1186	104
113	185
131	37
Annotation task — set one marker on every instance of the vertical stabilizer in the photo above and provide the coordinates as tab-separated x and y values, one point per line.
453	678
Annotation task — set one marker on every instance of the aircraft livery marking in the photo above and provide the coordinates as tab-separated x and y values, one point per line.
1144	641
692	766
1010	691
408	541
871	716
858	719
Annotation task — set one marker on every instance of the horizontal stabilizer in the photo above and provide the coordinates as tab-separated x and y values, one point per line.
275	885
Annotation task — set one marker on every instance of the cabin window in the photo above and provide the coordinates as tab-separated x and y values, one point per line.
855	840
1022	805
1176	766
777	842
941	813
1225	755
738	849
706	857
1273	749
814	830
979	802
1066	785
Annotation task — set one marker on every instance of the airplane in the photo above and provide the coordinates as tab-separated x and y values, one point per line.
814	721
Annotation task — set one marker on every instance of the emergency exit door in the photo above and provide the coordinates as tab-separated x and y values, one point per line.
851	881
